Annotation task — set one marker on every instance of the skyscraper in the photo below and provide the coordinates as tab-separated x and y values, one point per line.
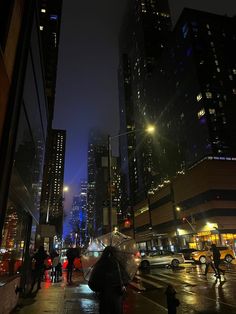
50	22
83	212
197	92
51	211
143	37
97	180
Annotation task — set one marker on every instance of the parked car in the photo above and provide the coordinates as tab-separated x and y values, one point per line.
187	253
161	257
226	254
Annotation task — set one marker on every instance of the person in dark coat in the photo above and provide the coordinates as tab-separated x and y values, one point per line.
70	266
37	273
172	301
216	259
209	260
109	279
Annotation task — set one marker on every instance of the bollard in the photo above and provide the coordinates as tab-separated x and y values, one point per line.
172	301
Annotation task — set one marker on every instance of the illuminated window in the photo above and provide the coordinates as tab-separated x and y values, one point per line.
43	10
41	27
199	96
234	91
53	17
208	95
218	69
201	113
212	111
234	71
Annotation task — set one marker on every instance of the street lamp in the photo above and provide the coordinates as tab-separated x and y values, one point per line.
149	129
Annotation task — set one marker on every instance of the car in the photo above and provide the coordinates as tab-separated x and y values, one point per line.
161	257
187	253
226	254
77	263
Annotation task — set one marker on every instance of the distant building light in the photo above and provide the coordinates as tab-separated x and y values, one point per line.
199	96
201	113
53	17
41	27
43	10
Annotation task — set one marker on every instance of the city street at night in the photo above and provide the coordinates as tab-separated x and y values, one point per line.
117	156
146	294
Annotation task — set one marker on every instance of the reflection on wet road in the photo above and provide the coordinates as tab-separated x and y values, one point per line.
196	292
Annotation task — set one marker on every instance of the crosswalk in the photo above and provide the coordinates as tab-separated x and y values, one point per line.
160	278
193	288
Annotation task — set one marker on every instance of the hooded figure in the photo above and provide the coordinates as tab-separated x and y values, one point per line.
109	279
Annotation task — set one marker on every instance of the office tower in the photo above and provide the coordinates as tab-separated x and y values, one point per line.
23	129
50	22
74	220
83	212
197	83
143	37
78	218
195	102
97	180
51	211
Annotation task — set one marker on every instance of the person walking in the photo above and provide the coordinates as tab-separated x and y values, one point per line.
209	260
109	280
55	261
70	266
216	259
37	272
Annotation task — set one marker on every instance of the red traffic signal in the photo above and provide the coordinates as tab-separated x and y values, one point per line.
127	223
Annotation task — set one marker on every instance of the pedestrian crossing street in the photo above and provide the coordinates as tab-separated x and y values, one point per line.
187	276
197	293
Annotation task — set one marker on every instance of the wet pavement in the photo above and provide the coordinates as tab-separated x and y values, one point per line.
198	294
78	298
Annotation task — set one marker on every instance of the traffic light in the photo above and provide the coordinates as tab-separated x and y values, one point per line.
127	223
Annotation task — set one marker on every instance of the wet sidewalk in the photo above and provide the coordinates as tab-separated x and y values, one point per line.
60	298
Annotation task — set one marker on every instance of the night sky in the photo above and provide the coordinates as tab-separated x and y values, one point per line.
87	87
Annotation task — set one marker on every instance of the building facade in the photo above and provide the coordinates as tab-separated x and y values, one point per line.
197	79
143	36
78	219
196	138
50	24
195	208
97	181
51	209
23	131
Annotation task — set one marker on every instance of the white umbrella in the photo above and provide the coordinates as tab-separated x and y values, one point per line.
127	252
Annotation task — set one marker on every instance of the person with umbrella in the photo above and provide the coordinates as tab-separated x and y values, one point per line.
109	280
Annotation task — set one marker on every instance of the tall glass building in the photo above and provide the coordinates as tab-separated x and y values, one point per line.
143	36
